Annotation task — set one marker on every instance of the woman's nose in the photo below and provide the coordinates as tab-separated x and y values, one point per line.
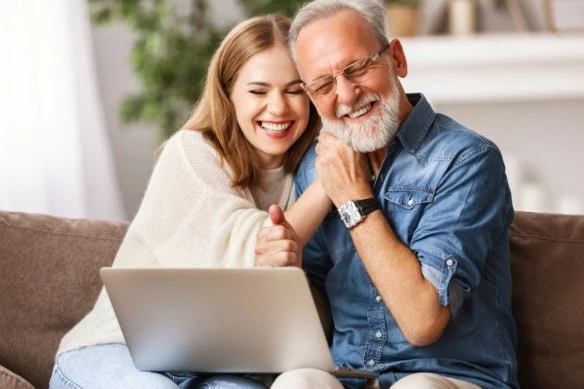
277	104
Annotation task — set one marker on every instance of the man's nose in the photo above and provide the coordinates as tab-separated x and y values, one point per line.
345	90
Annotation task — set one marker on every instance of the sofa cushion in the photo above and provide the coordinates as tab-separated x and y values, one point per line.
49	281
9	380
547	260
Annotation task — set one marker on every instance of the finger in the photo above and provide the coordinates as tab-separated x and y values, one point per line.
318	149
277	246
278	218
276	214
333	147
326	137
280	259
318	165
274	233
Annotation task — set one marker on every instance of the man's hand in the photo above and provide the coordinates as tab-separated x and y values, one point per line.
278	245
344	172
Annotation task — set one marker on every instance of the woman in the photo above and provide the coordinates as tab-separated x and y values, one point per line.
209	193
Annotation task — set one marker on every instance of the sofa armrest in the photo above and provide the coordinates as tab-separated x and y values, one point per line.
10	380
547	266
48	281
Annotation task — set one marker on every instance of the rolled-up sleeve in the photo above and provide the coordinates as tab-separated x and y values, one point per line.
471	209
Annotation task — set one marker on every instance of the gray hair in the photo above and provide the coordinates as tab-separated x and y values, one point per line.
370	10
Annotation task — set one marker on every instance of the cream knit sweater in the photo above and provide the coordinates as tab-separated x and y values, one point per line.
190	217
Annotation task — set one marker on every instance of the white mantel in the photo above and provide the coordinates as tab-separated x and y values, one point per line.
496	67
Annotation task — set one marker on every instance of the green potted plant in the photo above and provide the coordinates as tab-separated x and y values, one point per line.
171	53
402	17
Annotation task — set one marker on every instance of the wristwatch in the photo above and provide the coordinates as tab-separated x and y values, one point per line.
354	212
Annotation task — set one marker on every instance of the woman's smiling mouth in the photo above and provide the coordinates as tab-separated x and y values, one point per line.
276	130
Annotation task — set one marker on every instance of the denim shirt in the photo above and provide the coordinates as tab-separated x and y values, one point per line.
443	191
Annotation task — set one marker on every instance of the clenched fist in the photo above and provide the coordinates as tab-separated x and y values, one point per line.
344	173
278	245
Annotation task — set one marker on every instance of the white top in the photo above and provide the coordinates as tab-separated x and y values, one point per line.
190	216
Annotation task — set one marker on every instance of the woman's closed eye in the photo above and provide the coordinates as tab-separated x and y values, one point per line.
260	92
295	91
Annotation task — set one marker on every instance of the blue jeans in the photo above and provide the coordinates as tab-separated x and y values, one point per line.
110	366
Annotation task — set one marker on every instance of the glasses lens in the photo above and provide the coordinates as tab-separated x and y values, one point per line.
357	69
354	72
321	87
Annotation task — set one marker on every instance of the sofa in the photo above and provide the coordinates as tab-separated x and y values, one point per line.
49	279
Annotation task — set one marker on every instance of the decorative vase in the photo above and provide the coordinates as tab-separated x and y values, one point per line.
462	17
402	20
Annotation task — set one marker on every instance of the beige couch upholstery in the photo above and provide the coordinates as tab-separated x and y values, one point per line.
49	280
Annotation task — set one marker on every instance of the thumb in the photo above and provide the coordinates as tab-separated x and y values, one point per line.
277	216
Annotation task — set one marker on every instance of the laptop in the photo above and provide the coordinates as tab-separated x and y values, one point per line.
249	321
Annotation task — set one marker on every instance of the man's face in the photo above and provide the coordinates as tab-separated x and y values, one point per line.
363	111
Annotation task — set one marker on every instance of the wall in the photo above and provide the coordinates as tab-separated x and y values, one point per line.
542	139
134	144
523	91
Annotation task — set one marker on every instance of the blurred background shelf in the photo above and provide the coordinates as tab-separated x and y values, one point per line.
496	67
523	91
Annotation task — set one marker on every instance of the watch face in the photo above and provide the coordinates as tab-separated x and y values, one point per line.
346	217
350	214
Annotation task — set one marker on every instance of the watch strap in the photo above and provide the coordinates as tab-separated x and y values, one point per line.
367	206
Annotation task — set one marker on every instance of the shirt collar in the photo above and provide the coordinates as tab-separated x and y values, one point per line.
414	129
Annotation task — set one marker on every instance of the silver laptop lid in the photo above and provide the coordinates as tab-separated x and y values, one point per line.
260	320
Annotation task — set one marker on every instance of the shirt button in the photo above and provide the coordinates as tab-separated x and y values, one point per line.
449	262
371	362
378	334
378	298
410	202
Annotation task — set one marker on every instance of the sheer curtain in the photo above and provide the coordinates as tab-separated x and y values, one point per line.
55	155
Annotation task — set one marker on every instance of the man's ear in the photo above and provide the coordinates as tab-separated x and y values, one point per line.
398	58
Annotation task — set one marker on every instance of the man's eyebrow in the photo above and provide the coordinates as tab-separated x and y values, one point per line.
267	84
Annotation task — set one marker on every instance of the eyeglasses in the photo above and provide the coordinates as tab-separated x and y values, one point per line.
355	72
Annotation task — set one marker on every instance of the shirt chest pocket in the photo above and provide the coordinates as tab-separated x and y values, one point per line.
405	205
408	198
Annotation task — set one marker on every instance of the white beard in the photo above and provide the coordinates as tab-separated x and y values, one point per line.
374	132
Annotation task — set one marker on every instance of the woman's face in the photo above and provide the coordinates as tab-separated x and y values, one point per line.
271	108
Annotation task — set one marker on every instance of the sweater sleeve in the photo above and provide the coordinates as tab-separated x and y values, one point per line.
191	216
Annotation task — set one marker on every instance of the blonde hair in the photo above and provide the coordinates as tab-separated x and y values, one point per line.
214	114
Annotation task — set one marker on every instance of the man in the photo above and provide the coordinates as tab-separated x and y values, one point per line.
415	263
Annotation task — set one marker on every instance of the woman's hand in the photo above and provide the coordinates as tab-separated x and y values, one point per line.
278	245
